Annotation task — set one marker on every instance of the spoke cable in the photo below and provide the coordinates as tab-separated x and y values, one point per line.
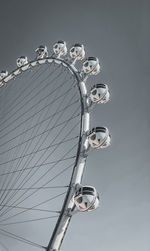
44	139
16	237
57	134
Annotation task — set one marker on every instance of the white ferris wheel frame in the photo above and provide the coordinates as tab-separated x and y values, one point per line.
78	169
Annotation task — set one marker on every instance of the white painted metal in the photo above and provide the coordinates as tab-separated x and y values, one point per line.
76	179
68	206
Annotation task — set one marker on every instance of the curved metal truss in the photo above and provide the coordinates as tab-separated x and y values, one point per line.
102	136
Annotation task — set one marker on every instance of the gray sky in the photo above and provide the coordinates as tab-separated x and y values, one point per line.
118	33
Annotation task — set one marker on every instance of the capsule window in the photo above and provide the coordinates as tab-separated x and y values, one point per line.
101	85
79	45
79	190
79	200
86	64
100	129
94	92
93	137
88	193
92	58
86	204
88	188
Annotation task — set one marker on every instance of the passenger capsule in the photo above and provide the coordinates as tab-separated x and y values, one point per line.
77	52
91	66
41	52
99	93
86	198
21	61
99	137
3	74
60	48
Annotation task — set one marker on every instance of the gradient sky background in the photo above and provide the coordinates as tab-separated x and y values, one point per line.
118	33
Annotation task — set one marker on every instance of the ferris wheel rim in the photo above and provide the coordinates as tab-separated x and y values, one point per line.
48	60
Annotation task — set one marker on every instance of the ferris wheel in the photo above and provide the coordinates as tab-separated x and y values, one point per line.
45	139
